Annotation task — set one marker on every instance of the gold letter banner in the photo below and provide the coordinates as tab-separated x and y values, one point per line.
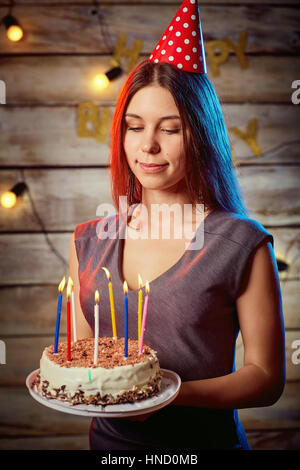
224	46
89	122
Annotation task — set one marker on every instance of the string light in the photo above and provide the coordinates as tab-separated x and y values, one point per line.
102	80
19	189
282	265
14	32
9	198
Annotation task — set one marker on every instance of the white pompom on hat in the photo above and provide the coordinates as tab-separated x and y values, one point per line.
181	44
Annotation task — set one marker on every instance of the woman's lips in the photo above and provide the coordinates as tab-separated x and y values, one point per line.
152	168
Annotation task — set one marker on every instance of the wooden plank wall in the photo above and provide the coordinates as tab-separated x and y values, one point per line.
47	76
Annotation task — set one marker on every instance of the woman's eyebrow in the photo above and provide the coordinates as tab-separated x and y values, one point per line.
161	119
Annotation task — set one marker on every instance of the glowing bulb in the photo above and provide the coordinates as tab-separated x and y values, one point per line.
8	199
14	33
101	81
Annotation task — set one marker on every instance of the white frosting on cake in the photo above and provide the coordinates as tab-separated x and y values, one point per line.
113	381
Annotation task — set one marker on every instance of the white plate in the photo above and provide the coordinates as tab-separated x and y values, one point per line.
170	384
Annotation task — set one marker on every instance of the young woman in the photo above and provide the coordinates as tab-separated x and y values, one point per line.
170	146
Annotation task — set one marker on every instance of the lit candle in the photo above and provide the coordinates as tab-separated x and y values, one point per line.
69	288
125	289
140	307
112	305
60	290
73	312
96	316
145	311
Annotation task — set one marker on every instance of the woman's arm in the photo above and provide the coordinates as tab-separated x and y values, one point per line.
82	327
260	382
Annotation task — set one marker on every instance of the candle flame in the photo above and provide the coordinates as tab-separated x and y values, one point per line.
106	272
125	287
147	287
62	284
97	296
140	282
69	287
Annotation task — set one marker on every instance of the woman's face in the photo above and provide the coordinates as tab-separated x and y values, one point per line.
153	139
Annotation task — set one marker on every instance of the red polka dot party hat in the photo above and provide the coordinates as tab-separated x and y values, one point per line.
182	43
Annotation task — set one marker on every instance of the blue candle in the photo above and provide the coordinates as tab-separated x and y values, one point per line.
60	289
125	320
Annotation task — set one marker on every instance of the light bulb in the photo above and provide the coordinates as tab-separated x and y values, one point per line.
101	81
8	199
14	33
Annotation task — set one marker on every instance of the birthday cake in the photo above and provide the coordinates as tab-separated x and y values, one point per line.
112	380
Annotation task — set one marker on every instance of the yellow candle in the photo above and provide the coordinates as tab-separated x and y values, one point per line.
112	305
140	306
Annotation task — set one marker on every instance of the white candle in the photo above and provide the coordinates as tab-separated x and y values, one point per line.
96	316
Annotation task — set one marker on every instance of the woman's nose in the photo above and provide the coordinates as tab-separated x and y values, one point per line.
150	145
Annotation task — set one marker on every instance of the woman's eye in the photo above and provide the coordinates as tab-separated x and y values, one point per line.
168	131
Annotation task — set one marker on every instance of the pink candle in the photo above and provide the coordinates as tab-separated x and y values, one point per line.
68	321
125	289
96	316
145	311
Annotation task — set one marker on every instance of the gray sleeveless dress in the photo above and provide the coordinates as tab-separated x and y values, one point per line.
191	323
